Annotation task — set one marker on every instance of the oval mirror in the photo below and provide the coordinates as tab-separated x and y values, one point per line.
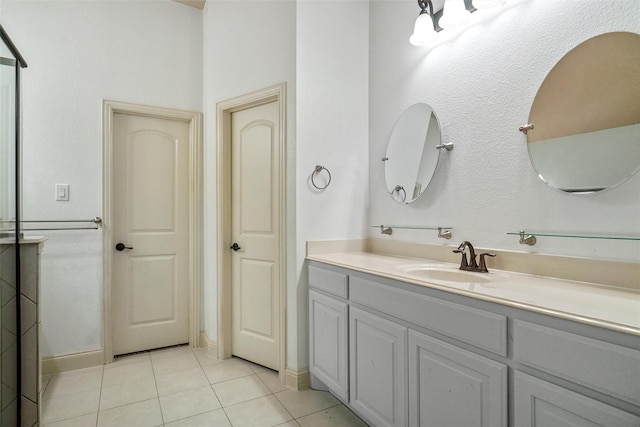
586	116
412	157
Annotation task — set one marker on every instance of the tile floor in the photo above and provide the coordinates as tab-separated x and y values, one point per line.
184	387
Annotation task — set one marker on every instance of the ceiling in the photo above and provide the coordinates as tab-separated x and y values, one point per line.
198	4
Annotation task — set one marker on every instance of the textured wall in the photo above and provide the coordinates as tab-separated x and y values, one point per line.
80	53
332	108
481	83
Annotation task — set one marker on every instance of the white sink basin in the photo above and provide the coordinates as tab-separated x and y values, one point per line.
446	275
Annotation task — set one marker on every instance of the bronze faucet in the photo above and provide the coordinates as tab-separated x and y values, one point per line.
472	265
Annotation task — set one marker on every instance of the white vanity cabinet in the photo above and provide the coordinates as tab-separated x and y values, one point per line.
402	354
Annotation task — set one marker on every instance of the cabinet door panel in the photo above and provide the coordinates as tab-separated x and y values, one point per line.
328	342
541	404
449	386
378	377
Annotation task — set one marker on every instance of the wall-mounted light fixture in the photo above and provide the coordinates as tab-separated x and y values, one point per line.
451	14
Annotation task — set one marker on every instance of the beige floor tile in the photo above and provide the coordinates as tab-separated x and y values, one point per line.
73	382
226	370
129	372
181	381
168	352
177	361
203	356
215	418
292	423
240	390
188	403
301	403
83	421
126	393
70	406
138	414
338	416
262	412
272	380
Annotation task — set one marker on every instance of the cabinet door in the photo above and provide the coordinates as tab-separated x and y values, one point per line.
452	387
378	370
541	404
328	343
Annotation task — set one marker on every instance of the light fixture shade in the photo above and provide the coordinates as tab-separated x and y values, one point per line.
486	4
455	14
423	32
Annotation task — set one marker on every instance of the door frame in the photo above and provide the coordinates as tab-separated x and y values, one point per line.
223	175
194	119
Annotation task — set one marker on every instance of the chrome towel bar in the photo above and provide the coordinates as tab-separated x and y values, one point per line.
97	222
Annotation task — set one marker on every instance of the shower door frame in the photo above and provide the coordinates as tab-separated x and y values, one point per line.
18	63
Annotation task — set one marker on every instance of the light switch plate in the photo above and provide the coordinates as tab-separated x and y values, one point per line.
62	192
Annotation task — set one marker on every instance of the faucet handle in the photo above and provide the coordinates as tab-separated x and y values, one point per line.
483	264
463	261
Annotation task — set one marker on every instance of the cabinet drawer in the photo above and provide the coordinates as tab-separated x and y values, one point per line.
328	281
538	403
605	367
476	327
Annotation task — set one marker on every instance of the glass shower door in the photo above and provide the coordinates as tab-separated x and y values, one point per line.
9	248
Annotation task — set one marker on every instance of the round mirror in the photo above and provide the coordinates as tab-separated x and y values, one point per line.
412	156
585	118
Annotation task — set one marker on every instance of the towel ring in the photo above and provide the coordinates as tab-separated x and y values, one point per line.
316	171
398	189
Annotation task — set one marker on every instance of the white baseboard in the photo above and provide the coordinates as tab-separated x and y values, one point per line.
210	345
296	379
70	362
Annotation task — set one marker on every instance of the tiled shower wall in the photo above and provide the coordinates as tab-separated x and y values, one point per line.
8	326
29	329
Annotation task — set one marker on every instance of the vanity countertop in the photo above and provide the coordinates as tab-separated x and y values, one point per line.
604	306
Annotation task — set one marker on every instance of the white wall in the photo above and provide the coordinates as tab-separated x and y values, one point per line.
326	76
332	130
481	82
79	53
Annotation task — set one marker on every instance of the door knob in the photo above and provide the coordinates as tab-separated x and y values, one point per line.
235	247
121	247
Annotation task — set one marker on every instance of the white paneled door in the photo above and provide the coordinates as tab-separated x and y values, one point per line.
150	205
255	204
